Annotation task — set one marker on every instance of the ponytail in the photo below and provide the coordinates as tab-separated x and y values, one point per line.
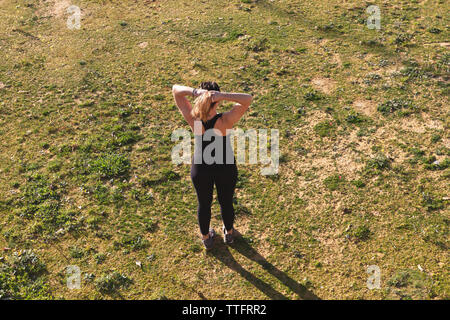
202	106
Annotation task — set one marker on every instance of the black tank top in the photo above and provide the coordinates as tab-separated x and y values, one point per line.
211	149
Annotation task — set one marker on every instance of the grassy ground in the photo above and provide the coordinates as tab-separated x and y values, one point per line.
86	176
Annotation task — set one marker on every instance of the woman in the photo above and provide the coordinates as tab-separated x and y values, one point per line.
204	173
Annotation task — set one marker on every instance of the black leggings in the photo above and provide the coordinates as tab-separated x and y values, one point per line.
225	178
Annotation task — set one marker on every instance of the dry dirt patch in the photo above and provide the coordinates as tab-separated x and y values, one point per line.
325	85
60	7
337	59
442	44
55	8
366	107
418	126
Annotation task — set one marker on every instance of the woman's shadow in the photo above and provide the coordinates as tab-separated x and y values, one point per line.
223	254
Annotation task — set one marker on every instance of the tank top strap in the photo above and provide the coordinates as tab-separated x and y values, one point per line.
208	124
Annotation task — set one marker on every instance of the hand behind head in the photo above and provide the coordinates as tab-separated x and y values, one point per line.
215	96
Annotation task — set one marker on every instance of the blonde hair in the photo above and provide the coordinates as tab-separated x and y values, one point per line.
202	105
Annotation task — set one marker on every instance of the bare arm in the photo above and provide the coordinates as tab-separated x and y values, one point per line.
243	103
179	93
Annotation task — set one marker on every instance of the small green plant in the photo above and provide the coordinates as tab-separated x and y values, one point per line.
359	183
431	202
333	182
101	193
393	105
312	95
112	282
134	242
76	253
378	162
257	45
434	30
151	225
39	190
435	138
359	233
433	164
54	165
159	97
403	38
354	118
100	258
126	138
111	165
400	279
371	78
412	73
436	232
413	283
324	128
170	175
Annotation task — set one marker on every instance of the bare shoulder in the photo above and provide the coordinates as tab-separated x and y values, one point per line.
234	115
222	125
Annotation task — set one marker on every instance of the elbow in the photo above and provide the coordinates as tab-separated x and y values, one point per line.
174	89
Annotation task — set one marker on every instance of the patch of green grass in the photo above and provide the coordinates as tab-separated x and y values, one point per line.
400	279
325	128
112	282
41	210
354	118
402	38
111	165
401	106
134	243
435	138
37	191
54	165
359	183
257	44
435	231
411	284
312	95
151	225
431	202
100	258
22	276
101	193
433	164
359	233
76	252
333	182
378	162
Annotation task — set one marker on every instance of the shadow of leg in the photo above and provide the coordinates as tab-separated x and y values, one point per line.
189	288
227	259
246	250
